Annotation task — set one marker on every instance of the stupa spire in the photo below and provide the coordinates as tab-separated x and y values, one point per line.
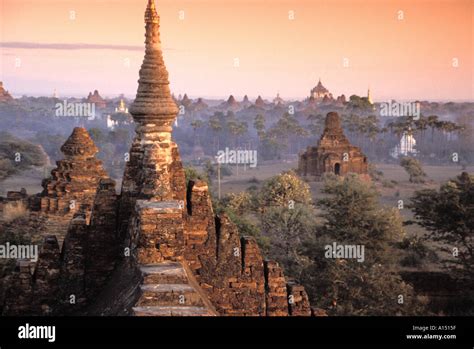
154	158
151	16
153	102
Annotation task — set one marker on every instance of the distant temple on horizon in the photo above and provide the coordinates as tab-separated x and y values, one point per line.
319	92
406	146
97	99
4	95
121	116
333	154
122	108
278	100
369	96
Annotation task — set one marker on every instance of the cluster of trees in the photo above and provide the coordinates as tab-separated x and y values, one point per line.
277	133
414	169
296	231
17	155
448	216
436	139
272	138
353	216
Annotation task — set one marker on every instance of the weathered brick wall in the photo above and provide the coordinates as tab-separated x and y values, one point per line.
102	248
298	300
276	296
46	277
231	269
19	296
157	231
73	266
81	269
200	227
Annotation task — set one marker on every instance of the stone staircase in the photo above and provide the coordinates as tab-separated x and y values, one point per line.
166	290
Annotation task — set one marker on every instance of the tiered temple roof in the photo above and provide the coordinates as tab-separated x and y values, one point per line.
97	99
333	154
74	181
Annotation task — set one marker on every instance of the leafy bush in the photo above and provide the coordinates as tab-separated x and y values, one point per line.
17	155
414	169
192	174
284	188
239	202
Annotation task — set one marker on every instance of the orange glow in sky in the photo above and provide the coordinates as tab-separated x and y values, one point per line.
415	49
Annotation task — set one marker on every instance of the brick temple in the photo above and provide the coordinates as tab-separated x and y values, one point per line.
333	154
155	249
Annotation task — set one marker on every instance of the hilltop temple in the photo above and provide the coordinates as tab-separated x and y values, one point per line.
333	154
319	92
155	249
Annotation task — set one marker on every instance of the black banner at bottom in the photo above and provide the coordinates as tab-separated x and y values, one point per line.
65	332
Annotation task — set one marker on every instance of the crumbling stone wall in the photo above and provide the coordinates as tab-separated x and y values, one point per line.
64	281
102	243
46	276
157	231
231	269
19	296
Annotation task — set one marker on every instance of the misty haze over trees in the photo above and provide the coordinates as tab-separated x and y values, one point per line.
276	131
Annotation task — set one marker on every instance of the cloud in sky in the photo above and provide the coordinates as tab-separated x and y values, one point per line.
73	46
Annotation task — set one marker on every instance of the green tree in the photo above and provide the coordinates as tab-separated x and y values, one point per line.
285	189
216	126
349	286
353	215
247	228
196	125
239	202
259	125
448	215
192	174
414	169
285	129
287	228
234	129
17	155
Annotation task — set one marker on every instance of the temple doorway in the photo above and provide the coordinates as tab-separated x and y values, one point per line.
337	168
